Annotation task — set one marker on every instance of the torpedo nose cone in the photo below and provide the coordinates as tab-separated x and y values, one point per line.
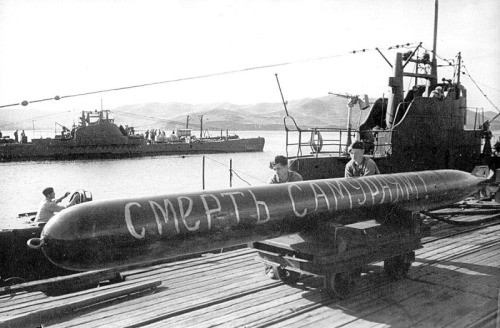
95	235
68	239
88	236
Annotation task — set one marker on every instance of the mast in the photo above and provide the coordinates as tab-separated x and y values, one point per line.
201	126
396	81
433	79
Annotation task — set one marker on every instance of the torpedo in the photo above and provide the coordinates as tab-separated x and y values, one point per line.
114	233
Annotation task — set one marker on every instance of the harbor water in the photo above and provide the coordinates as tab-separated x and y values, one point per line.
22	182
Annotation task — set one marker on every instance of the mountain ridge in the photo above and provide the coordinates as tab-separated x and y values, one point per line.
326	111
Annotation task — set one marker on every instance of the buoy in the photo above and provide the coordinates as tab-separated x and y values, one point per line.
316	141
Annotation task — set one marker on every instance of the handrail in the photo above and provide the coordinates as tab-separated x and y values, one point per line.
333	141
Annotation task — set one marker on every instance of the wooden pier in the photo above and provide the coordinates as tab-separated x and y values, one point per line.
454	282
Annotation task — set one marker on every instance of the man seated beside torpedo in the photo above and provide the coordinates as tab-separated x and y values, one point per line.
359	165
49	206
282	174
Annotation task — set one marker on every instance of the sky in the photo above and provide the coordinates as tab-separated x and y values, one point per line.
58	48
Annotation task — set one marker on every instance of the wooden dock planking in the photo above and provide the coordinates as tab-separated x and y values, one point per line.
41	302
447	259
180	294
482	265
45	314
446	249
189	285
18	300
454	282
199	267
355	308
484	312
428	309
383	311
266	304
284	299
176	304
53	285
444	313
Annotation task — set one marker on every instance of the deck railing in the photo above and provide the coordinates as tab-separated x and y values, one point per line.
333	142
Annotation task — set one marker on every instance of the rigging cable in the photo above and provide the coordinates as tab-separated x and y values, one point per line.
25	102
477	86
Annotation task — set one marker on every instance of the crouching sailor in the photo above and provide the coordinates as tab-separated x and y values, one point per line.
282	175
49	206
360	165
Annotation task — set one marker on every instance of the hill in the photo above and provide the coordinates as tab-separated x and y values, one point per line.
327	111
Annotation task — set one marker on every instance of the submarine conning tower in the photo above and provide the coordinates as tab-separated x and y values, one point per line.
424	128
410	130
96	128
427	128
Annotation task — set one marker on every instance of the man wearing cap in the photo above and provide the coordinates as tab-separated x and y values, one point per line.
282	173
49	206
359	165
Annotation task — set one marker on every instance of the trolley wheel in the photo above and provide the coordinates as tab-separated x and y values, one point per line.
397	267
287	276
338	284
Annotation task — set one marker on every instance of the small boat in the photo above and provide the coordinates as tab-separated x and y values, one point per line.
97	136
18	261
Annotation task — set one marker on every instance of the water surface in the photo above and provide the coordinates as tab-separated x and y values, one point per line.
22	182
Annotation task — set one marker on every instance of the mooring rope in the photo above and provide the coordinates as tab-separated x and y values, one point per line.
461	223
